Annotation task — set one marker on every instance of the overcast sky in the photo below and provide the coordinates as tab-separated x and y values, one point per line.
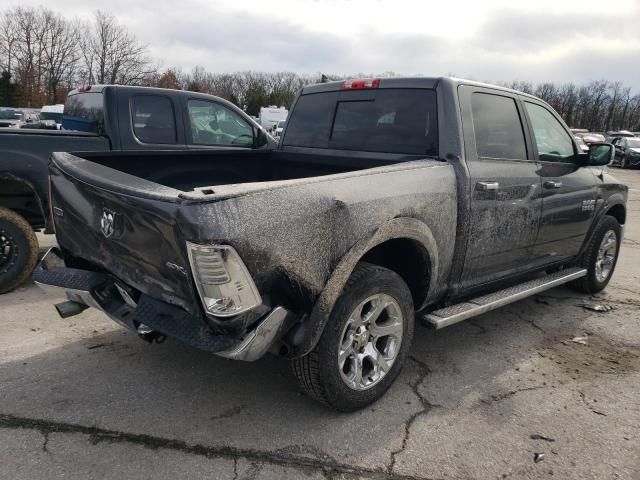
540	40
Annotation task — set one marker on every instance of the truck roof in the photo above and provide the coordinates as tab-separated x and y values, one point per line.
409	82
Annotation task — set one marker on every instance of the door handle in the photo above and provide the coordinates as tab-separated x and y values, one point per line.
487	186
552	184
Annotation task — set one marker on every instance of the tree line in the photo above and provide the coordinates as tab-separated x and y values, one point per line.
44	54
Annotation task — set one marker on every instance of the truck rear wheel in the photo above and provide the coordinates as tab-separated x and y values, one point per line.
18	250
600	257
364	343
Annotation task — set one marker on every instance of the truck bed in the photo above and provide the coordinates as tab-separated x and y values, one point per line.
199	170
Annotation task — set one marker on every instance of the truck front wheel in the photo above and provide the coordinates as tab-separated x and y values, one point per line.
18	250
364	343
600	256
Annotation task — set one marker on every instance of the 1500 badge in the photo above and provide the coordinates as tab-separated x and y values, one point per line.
588	205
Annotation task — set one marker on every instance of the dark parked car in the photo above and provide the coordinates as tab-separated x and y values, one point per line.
103	118
11	118
385	200
627	152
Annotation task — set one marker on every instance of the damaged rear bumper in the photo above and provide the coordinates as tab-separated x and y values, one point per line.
137	311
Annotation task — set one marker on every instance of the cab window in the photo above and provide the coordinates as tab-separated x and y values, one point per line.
553	142
153	119
497	127
214	124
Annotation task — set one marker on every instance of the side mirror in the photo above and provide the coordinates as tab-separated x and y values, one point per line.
600	154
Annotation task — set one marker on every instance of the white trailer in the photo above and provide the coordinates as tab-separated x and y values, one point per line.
270	116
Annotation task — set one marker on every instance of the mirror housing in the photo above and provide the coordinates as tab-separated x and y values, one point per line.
599	154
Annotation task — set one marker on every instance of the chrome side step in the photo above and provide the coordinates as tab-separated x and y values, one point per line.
477	306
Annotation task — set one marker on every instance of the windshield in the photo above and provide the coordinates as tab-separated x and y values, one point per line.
633	142
10	115
382	120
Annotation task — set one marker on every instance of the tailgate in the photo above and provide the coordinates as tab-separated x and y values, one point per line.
124	225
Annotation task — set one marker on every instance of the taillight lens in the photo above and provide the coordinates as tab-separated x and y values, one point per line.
222	279
360	84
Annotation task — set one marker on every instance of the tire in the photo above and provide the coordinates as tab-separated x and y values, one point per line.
593	281
319	373
18	250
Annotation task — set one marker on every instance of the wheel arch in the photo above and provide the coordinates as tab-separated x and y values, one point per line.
20	195
619	212
381	248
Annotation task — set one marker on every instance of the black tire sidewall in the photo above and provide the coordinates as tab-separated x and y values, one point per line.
380	280
591	256
24	255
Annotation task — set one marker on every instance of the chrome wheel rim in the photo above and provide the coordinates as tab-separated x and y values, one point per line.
606	255
7	251
370	341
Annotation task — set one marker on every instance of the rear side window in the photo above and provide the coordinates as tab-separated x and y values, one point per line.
497	127
385	120
310	121
153	119
84	112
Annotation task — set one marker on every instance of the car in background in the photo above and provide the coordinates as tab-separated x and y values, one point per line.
581	143
619	134
591	137
277	129
52	113
11	117
627	152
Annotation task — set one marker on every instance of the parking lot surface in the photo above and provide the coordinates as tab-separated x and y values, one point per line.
542	388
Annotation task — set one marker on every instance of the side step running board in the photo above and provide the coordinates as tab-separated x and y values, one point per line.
477	306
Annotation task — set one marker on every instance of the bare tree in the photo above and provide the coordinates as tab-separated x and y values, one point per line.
112	55
60	51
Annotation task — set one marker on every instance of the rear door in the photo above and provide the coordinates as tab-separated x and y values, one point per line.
505	187
568	189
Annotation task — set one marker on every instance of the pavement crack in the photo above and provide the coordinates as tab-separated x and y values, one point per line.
423	371
501	396
45	442
98	435
231	412
533	323
482	329
589	406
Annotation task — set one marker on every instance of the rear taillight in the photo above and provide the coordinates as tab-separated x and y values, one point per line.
223	281
360	84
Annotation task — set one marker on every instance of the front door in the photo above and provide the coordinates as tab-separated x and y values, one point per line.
568	189
505	188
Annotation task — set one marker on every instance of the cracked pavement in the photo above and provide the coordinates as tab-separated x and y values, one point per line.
81	398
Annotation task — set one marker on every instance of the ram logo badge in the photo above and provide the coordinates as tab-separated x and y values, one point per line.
108	222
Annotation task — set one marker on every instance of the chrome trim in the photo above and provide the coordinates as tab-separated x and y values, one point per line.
456	313
259	341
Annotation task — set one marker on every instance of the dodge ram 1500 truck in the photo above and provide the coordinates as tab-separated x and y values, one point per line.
103	118
385	200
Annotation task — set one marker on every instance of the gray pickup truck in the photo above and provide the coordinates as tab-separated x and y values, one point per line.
385	201
103	118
